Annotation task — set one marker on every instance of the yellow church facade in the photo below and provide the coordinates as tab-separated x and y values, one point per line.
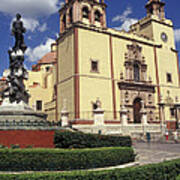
41	81
136	70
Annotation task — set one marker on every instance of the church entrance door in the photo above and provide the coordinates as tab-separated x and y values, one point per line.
136	110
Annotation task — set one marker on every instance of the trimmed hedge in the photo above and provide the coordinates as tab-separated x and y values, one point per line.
68	139
60	159
163	171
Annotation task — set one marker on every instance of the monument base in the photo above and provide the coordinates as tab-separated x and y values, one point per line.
20	114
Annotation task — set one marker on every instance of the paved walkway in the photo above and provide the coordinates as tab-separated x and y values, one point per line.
156	152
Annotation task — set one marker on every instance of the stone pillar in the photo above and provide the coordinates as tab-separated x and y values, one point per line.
64	118
161	107
177	108
98	117
144	117
123	115
163	123
144	114
64	114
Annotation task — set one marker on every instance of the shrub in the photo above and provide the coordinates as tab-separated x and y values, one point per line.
68	139
60	159
2	146
162	171
15	146
29	146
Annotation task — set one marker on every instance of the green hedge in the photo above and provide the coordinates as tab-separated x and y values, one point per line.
68	139
162	171
60	159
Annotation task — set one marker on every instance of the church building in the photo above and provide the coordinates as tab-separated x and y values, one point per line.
134	72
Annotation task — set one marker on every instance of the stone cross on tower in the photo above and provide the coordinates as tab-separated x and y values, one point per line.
156	7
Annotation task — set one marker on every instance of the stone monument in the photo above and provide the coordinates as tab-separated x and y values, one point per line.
15	109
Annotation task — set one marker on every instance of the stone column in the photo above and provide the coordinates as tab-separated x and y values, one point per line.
98	117
64	118
177	107
161	107
144	117
123	115
144	114
64	115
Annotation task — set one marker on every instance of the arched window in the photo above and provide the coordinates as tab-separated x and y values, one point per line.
136	72
64	21
85	12
71	15
97	16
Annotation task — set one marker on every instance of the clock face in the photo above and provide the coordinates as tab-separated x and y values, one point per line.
164	37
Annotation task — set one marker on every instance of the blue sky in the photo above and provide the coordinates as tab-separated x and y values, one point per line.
41	19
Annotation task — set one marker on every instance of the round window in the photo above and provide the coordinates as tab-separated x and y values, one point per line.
164	37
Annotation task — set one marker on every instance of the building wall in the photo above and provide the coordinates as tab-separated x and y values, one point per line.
66	75
41	86
93	85
95	45
82	42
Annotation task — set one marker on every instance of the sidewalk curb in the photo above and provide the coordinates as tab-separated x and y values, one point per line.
95	169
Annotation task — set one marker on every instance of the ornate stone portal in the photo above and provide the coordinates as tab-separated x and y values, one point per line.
136	89
14	110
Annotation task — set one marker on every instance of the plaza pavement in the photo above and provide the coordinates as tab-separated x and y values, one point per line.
156	152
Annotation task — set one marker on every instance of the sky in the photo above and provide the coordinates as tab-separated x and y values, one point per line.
41	20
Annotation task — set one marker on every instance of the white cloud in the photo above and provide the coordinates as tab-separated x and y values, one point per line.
29	37
43	27
30	8
123	16
30	24
31	11
39	51
177	35
57	35
125	21
126	24
62	3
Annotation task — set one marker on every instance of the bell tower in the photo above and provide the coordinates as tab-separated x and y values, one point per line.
88	12
155	25
156	7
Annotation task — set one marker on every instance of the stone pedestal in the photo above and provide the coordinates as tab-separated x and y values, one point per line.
161	107
163	123
123	115
98	117
144	117
64	118
20	114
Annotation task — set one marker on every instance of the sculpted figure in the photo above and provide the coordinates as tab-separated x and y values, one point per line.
17	31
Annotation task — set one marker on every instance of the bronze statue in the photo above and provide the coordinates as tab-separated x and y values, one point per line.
17	32
16	90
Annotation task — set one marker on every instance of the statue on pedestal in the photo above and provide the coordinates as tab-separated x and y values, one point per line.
17	31
17	73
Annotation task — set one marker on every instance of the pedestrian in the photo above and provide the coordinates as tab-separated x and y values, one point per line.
167	135
176	137
148	136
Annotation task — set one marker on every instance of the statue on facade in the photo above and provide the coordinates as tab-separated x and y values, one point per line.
15	91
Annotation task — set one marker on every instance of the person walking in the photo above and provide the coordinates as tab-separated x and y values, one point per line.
175	136
167	135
